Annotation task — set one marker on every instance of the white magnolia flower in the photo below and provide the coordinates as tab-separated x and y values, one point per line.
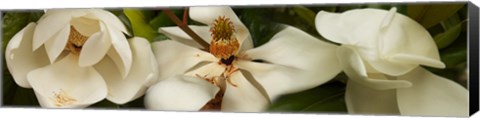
74	58
381	52
227	76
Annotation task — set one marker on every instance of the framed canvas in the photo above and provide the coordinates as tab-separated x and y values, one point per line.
373	59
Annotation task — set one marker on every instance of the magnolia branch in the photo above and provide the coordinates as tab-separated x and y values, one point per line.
183	25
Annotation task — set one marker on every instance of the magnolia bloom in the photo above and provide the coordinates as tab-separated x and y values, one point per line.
381	52
234	76
74	58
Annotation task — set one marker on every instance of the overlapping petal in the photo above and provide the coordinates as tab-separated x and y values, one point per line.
175	58
57	43
49	25
432	95
179	35
64	84
79	80
180	93
387	40
144	73
120	53
354	67
85	25
19	52
380	53
94	49
244	97
295	61
362	99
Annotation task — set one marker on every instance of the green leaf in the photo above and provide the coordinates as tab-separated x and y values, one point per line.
306	14
160	37
139	24
431	14
448	37
343	8
401	8
162	19
328	97
451	21
15	21
8	88
260	28
456	53
12	22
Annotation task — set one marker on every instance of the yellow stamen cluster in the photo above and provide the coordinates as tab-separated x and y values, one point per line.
75	41
62	98
223	44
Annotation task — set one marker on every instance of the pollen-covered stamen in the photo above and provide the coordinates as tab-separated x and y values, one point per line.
224	43
75	41
61	98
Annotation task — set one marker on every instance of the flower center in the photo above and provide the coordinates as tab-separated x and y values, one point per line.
75	41
224	44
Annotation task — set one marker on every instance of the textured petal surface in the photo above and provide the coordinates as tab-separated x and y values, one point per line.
175	58
20	58
296	62
244	97
207	15
432	95
365	100
66	85
143	73
180	93
355	69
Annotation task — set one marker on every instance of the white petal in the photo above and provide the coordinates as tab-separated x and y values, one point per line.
143	73
112	21
355	69
365	100
399	47
48	26
244	97
207	71
85	26
180	93
56	45
389	41
94	49
65	79
340	28
179	35
120	53
207	15
21	59
298	62
65	12
175	58
432	95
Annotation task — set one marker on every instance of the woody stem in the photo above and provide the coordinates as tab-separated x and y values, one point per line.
186	29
